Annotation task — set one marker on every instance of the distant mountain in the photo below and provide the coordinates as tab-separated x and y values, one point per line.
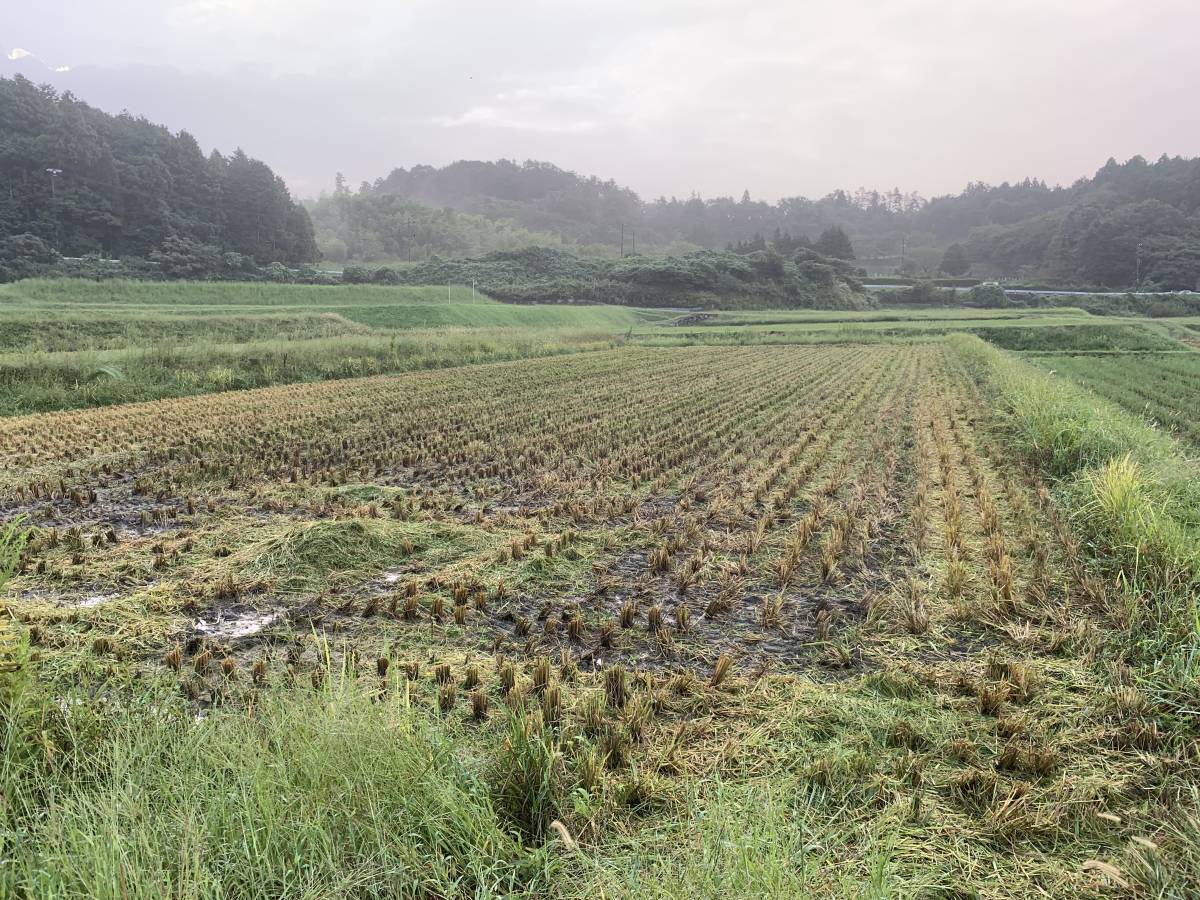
538	196
1088	232
560	208
27	66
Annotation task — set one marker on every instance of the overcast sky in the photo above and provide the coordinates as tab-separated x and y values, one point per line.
780	97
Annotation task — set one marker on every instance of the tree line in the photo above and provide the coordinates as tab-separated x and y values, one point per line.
410	215
1131	222
704	278
76	181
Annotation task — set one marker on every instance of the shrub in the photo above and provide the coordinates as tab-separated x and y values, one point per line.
24	256
277	272
990	296
183	258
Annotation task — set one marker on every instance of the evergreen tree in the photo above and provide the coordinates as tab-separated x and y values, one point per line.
954	260
836	243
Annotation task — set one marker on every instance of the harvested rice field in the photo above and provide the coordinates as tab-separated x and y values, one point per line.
815	619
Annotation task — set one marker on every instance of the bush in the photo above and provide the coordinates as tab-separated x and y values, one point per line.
990	296
704	278
923	293
183	258
384	275
25	256
27	247
237	263
277	272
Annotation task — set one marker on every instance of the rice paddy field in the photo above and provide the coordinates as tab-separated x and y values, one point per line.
1162	387
886	615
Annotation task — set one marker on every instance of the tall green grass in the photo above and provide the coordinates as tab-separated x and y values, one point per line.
305	794
1133	494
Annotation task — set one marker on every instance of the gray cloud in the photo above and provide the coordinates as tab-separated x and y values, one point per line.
778	96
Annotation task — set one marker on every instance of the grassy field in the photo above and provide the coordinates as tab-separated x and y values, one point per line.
67	344
71	344
194	309
1042	330
869	608
1162	387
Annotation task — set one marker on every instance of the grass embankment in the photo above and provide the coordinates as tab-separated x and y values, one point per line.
69	344
63	332
68	293
1134	497
1084	338
34	312
46	382
1053	330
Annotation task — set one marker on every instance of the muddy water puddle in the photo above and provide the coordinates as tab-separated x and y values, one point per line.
237	622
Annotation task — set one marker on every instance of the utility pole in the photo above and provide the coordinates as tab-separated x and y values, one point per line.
54	173
622	240
903	251
1137	267
633	234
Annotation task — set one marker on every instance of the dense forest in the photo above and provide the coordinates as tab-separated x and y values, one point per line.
1135	222
1131	222
75	181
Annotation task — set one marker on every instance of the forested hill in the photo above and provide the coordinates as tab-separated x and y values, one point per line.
1088	232
557	207
83	181
1135	221
75	180
537	195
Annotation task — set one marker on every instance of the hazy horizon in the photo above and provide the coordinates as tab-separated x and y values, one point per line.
780	99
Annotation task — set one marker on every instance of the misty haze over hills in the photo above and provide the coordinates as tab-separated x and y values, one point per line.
1128	220
1090	231
712	97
